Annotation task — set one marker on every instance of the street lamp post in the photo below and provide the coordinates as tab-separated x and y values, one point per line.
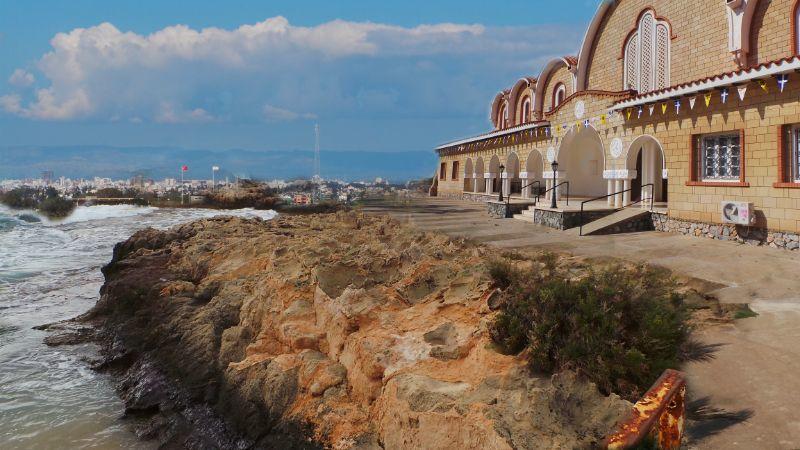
502	168
553	203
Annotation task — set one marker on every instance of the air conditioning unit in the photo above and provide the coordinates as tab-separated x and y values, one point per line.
739	213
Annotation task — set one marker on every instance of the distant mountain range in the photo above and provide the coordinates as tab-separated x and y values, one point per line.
159	163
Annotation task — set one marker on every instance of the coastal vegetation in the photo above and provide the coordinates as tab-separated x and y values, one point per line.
619	327
46	201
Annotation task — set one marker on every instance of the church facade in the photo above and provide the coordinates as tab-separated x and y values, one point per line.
688	104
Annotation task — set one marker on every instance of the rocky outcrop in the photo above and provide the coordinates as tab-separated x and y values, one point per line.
247	195
342	331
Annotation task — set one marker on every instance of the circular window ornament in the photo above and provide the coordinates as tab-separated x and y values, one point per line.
616	148
580	109
551	154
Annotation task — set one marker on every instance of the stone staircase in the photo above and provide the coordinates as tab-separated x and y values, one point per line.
623	221
526	215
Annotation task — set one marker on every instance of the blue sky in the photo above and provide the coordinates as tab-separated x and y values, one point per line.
381	76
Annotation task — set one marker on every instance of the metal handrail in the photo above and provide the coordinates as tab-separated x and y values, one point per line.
553	189
652	199
537	190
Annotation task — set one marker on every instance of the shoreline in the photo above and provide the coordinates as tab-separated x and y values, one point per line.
319	380
226	325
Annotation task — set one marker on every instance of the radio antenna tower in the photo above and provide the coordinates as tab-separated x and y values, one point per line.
317	177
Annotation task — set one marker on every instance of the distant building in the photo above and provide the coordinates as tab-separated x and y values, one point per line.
301	199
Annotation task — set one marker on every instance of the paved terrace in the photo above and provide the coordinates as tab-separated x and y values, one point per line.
757	367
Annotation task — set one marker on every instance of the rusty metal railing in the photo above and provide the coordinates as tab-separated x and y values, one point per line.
657	419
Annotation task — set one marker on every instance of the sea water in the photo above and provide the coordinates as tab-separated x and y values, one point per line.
50	271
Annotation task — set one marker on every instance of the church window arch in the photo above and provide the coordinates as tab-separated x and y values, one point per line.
647	55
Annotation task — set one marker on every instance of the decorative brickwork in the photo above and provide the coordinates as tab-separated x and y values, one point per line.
698	35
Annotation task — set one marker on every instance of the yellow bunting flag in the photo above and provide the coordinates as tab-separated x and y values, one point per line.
763	84
707	98
628	113
603	119
663	108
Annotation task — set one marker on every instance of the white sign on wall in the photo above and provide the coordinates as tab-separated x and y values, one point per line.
616	148
580	109
551	154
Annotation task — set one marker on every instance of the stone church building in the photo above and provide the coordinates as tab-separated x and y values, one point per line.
690	105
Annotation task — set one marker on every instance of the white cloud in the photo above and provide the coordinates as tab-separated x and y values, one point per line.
11	103
275	114
21	78
170	113
182	75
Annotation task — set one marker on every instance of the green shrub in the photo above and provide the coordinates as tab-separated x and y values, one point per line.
56	207
745	313
620	328
502	272
45	200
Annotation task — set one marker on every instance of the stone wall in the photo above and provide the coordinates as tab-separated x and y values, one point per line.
635	225
469	196
727	232
564	220
504	210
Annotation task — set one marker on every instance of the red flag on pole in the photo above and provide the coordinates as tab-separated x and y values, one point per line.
185	168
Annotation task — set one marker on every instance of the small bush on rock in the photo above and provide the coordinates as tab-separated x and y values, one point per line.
619	327
502	272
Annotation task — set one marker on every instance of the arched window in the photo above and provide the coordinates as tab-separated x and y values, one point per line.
526	110
647	55
559	94
502	116
796	31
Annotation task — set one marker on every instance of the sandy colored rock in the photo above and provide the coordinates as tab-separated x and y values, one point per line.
353	331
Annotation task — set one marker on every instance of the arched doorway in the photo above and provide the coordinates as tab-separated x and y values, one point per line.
468	175
493	183
514	185
581	160
534	167
479	185
646	157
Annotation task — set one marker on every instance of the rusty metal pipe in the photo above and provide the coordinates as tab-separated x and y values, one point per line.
658	417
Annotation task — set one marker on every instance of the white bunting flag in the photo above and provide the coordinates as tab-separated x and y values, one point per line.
742	91
692	101
652	109
783	79
677	106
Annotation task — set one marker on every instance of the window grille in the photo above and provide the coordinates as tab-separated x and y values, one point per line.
721	157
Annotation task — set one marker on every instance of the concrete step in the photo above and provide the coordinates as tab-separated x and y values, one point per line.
618	218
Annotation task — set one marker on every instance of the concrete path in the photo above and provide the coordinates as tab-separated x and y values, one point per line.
757	367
